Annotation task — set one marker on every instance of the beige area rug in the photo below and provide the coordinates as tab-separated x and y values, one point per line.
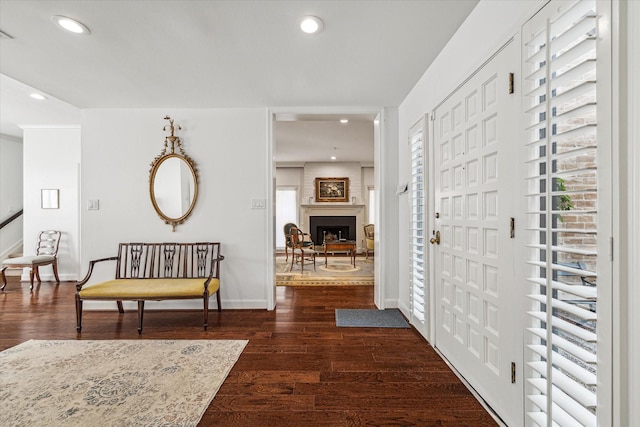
338	272
112	382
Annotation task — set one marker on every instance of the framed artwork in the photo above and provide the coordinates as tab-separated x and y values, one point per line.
50	198
332	189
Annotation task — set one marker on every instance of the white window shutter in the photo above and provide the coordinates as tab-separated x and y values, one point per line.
560	70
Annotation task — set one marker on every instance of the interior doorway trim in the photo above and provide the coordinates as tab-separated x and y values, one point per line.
379	143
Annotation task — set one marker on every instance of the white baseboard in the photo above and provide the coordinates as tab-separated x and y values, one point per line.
49	277
16	247
176	305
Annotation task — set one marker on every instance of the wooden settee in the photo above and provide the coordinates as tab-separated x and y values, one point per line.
155	272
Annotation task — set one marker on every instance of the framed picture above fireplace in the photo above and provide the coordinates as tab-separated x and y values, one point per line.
332	189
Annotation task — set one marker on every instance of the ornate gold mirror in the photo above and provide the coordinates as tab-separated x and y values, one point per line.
173	180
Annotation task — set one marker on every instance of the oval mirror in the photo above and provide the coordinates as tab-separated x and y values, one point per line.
173	184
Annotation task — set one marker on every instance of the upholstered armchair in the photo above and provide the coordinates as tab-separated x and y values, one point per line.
46	254
306	239
368	238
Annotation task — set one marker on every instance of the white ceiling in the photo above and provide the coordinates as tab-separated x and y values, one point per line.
208	54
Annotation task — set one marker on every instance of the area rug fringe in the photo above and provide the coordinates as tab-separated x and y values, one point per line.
322	282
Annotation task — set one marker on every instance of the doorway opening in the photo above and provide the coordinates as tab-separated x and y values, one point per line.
310	146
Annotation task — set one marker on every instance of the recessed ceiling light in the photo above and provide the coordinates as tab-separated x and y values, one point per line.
344	121
70	25
311	24
333	157
38	96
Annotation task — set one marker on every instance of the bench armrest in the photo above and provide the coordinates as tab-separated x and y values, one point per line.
217	275
81	283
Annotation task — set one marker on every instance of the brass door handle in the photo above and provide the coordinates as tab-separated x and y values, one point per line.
435	240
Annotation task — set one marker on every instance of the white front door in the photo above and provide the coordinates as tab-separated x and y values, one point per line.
478	314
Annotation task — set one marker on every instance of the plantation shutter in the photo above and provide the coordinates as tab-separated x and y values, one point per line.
417	225
562	200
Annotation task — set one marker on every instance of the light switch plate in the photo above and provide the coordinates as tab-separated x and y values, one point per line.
258	203
93	205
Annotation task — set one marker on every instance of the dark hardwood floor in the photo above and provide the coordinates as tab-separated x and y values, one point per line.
298	369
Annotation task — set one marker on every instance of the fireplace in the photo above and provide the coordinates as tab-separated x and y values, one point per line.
334	226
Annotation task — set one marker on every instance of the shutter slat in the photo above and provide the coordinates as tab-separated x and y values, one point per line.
561	156
585	48
556	303
565	326
573	389
586	67
579	352
587	292
565	249
566	269
567	365
572	16
564	230
584	89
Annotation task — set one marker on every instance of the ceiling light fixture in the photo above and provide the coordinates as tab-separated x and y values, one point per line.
71	25
333	157
38	96
311	24
344	121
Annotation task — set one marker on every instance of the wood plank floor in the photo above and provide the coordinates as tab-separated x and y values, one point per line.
298	369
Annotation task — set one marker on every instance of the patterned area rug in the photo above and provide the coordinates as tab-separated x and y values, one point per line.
112	382
338	272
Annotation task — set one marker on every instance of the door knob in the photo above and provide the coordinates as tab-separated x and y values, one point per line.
435	240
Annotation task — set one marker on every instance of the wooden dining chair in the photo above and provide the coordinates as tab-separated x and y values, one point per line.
306	239
46	254
301	251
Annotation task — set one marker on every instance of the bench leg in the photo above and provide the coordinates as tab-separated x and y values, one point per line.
4	278
206	310
140	315
120	307
78	313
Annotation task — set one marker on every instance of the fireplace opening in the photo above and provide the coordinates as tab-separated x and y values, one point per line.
332	227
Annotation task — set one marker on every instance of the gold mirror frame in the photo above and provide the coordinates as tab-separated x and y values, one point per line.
171	142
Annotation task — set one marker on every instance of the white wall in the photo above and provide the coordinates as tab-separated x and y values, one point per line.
10	193
314	170
229	148
388	230
52	161
486	29
290	177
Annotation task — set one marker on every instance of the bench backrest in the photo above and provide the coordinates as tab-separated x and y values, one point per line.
165	260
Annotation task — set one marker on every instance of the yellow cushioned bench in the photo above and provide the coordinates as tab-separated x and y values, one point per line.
156	271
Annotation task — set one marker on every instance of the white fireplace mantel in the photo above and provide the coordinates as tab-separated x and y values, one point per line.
333	209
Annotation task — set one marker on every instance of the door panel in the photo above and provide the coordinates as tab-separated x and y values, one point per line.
478	317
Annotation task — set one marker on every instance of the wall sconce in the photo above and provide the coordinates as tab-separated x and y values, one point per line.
50	198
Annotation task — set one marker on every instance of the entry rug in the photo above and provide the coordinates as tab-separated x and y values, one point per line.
112	382
391	318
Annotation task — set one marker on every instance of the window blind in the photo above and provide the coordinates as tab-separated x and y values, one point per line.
562	200
286	211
